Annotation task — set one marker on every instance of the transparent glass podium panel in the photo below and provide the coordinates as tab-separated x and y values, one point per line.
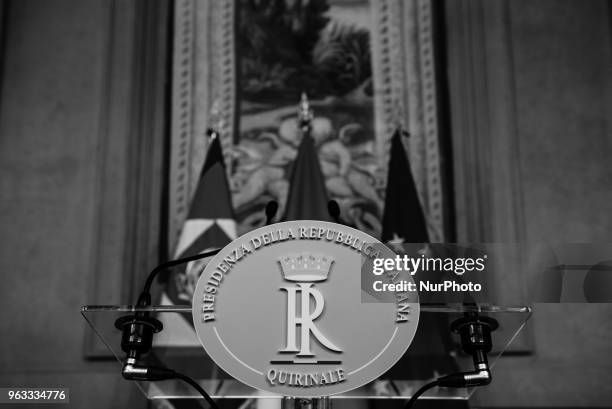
434	352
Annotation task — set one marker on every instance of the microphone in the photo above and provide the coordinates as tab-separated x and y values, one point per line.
334	210
475	333
271	209
138	330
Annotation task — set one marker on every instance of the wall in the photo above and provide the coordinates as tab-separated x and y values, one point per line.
541	102
70	130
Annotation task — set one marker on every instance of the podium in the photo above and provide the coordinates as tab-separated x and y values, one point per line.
298	311
418	365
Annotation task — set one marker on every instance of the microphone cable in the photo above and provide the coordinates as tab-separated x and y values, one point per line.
197	387
415	396
133	372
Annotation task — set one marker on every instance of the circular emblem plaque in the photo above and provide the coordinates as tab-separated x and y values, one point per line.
281	309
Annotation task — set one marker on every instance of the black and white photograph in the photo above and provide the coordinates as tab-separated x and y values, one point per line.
305	204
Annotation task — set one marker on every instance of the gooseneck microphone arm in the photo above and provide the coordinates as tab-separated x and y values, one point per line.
145	296
475	334
137	334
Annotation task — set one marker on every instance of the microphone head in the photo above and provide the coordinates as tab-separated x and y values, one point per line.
334	209
271	209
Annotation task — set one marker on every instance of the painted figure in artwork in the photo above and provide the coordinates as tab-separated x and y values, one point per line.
285	48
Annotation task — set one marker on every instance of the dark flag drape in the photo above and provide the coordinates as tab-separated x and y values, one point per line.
403	218
404	222
307	199
210	224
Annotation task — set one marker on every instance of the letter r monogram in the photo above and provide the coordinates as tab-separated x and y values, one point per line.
305	321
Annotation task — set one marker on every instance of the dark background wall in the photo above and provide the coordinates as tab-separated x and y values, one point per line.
71	126
50	121
75	188
562	68
531	98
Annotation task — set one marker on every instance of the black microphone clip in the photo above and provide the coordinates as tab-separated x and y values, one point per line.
271	209
475	333
333	208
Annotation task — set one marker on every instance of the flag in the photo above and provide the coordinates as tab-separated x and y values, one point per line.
307	199
404	222
210	224
403	218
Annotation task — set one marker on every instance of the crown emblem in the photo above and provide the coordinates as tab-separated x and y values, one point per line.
305	267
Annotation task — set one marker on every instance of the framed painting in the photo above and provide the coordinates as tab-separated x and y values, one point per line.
367	67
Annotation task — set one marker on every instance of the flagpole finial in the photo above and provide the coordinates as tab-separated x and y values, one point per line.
305	114
215	120
399	118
